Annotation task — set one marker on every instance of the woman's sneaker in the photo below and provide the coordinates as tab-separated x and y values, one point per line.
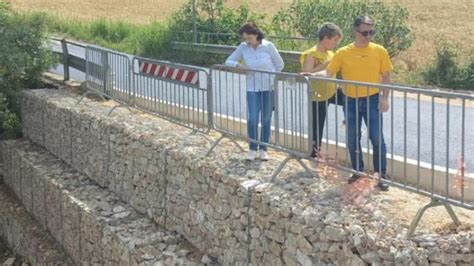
251	155
263	155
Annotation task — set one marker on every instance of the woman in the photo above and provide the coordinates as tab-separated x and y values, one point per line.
258	54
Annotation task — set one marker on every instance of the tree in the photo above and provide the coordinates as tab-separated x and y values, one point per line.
24	56
303	17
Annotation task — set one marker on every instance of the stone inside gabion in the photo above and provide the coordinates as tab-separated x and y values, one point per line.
221	204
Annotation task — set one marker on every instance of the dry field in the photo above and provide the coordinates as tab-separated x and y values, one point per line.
430	20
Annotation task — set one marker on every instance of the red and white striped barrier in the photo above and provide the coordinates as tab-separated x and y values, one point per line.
171	73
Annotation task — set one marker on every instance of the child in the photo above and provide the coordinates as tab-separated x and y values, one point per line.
314	60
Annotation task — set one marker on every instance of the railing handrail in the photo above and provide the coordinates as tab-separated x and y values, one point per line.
267	36
446	94
288	56
76	43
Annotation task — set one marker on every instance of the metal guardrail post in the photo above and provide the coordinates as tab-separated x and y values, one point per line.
433	203
210	95
65	59
131	82
292	80
105	64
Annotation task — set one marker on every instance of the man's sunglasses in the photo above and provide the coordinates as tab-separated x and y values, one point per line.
366	33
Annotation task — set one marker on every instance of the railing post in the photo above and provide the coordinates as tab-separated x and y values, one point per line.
65	59
194	22
105	65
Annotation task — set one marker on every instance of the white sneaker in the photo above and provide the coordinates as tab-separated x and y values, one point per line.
263	155
251	155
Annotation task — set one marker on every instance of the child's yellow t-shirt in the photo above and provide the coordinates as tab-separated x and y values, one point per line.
322	90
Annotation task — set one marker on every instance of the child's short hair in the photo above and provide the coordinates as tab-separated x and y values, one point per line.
329	30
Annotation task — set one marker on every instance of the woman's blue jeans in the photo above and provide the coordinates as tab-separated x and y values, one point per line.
366	108
259	109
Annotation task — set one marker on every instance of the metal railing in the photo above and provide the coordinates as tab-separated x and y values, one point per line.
108	73
288	56
220	43
288	100
67	59
419	129
176	92
234	39
421	124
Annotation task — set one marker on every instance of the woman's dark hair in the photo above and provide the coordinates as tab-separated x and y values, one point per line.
251	28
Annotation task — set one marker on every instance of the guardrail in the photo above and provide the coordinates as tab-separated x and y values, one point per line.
446	188
176	92
69	60
237	115
207	42
288	56
293	117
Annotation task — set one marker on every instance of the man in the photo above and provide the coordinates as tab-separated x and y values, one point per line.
364	61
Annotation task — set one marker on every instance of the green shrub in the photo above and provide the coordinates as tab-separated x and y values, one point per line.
23	58
151	40
303	17
11	126
446	72
114	32
213	17
469	75
216	23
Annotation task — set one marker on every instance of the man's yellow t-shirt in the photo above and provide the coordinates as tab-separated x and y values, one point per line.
321	90
363	65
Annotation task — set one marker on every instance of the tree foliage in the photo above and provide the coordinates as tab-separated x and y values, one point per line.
24	56
303	18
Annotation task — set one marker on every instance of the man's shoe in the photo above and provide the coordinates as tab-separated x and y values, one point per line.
251	155
263	155
353	178
382	186
314	152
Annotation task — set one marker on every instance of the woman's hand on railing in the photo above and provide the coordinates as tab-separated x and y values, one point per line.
240	69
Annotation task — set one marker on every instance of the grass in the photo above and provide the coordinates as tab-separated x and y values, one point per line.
430	20
150	40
